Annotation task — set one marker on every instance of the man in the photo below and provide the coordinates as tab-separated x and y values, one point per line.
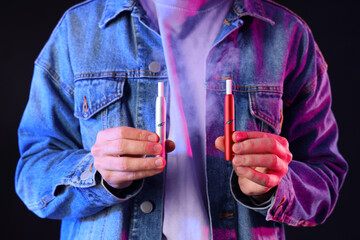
88	151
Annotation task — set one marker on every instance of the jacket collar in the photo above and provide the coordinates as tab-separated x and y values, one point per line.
241	8
253	8
113	8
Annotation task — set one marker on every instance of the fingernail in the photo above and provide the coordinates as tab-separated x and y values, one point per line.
241	170
157	148
240	137
159	163
237	160
236	147
152	138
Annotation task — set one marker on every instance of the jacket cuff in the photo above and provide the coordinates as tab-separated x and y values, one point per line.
283	202
124	193
247	201
89	181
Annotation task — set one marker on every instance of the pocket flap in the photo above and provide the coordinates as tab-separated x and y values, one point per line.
92	95
267	107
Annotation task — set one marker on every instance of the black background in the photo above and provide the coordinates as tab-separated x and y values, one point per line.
26	26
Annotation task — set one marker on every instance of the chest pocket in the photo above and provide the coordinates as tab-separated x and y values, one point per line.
96	105
266	107
258	108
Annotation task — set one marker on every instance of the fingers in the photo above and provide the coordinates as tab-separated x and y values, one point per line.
263	169
126	140
112	177
125	147
130	164
240	136
261	160
265	145
121	171
243	135
268	161
127	133
169	145
250	175
119	155
219	144
120	180
133	147
257	142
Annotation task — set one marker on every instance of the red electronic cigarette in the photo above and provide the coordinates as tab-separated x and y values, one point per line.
229	121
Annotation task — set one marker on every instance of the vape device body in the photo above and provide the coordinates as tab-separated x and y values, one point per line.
229	121
160	117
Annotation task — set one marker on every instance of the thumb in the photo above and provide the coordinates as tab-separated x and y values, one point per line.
169	145
219	144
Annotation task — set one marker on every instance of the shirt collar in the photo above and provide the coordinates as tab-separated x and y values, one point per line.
241	8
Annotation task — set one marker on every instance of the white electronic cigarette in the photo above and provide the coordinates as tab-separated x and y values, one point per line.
160	118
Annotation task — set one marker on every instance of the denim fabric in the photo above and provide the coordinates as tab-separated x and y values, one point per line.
94	74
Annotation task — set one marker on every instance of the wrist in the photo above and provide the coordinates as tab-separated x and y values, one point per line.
123	192
259	199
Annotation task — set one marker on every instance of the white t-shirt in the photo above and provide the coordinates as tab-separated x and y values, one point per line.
188	29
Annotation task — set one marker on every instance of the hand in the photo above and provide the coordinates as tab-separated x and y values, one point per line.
120	155
261	160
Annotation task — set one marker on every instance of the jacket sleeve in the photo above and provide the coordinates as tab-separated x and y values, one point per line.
55	176
308	193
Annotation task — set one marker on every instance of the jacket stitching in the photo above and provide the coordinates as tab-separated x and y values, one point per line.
130	73
52	73
250	89
42	204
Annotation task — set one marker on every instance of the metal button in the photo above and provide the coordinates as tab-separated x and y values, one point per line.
154	67
85	175
146	207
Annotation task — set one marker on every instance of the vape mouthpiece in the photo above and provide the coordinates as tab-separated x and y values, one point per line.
160	89
228	86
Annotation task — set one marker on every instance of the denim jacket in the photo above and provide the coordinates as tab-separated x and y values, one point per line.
94	74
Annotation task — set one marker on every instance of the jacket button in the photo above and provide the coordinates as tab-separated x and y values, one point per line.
146	207
154	67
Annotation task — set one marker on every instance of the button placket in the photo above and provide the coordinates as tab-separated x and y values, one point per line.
146	207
